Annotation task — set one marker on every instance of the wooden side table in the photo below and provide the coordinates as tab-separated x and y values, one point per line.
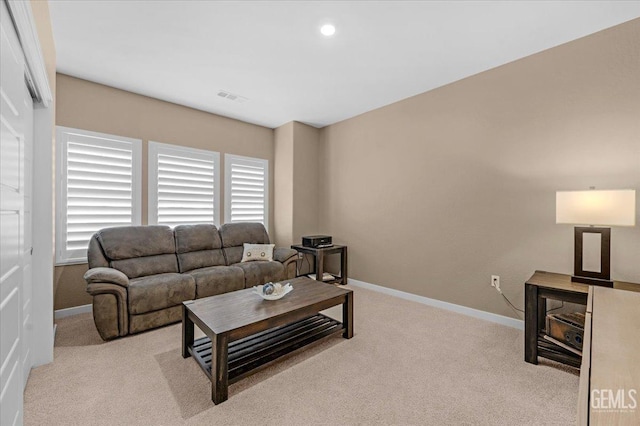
319	255
548	285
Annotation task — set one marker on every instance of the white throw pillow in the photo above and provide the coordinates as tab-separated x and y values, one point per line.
257	252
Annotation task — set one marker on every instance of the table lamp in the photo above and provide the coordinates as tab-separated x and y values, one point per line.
601	208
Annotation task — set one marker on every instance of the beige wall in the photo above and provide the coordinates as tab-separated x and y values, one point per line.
91	106
283	184
70	289
436	193
305	176
42	20
296	182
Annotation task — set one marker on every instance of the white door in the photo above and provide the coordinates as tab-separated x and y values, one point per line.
16	125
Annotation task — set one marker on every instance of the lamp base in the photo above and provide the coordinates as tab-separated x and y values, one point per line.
592	281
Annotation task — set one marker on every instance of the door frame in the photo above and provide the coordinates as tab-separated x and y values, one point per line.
24	22
43	183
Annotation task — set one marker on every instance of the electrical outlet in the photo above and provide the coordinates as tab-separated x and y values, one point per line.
495	282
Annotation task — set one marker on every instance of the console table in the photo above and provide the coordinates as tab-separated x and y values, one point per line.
319	255
609	392
547	285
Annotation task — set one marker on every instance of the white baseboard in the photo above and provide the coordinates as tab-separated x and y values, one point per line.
62	313
476	313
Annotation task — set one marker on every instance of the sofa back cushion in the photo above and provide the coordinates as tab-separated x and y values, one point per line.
148	265
139	251
234	235
198	246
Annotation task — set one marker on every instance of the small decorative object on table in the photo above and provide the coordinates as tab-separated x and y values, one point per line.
271	291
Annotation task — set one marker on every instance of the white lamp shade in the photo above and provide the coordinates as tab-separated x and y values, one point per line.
607	208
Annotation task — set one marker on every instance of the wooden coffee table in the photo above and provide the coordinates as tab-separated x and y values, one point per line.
246	333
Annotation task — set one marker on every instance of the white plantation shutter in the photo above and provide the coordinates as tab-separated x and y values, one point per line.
247	189
183	185
98	186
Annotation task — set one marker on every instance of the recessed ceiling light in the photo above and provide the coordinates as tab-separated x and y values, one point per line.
328	30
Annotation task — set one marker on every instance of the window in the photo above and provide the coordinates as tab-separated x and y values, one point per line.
98	186
184	185
246	189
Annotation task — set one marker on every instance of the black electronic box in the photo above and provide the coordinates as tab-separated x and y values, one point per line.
317	241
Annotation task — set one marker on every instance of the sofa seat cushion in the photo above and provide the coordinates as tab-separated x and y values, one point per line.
160	291
260	272
217	280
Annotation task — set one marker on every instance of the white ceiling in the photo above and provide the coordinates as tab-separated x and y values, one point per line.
273	53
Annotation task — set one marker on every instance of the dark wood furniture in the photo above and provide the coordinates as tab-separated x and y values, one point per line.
245	333
580	275
609	375
547	285
319	255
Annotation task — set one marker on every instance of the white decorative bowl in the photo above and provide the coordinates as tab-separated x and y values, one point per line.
279	292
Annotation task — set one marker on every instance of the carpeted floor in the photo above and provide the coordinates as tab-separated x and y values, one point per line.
407	364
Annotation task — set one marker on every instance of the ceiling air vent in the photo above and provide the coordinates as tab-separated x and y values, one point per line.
232	96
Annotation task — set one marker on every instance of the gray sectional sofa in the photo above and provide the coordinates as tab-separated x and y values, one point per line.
140	275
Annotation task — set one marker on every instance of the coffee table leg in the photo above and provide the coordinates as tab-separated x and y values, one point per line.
219	368
347	316
187	332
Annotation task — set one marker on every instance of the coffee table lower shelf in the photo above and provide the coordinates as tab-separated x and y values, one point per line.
248	355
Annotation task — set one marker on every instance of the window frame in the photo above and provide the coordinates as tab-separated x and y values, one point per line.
72	257
228	161
156	148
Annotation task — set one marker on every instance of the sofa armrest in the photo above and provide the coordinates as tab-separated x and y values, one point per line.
110	311
106	275
283	255
288	259
108	287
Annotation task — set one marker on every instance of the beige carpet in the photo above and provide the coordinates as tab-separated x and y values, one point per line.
407	364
